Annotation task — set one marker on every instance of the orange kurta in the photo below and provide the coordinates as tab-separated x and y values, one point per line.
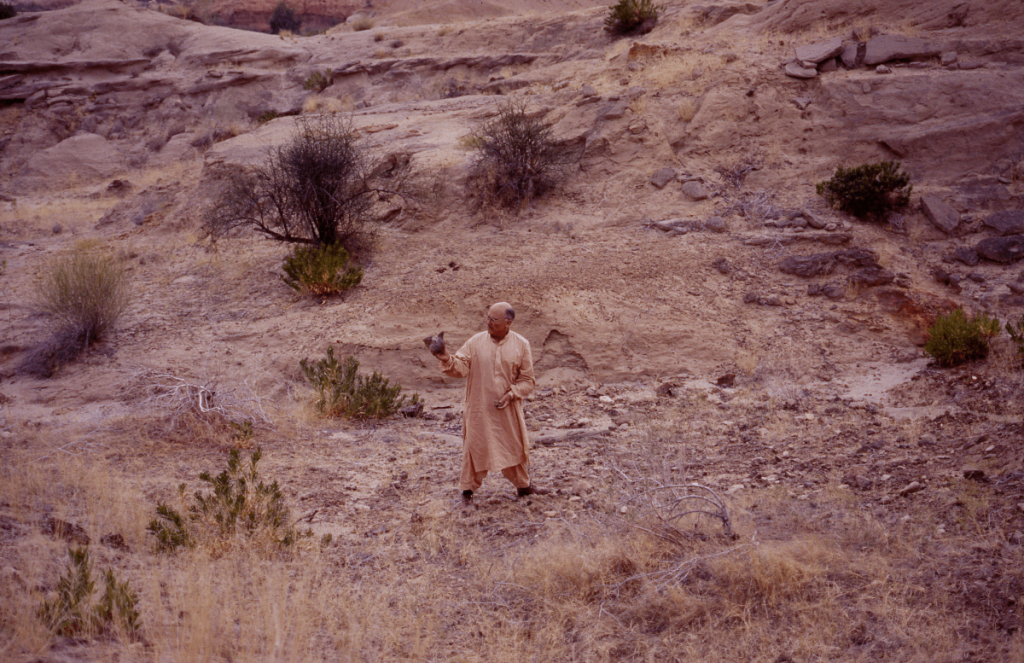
494	439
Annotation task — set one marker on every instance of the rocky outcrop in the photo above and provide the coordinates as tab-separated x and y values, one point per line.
1002	249
1008	222
941	214
84	155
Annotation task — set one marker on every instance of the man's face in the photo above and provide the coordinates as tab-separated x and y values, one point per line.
497	324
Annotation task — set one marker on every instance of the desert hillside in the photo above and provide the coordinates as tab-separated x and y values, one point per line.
706	330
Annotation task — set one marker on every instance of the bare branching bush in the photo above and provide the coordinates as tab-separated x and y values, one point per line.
517	158
325	186
196	409
84	293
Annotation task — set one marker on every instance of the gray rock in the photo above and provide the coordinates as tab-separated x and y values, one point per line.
615	111
911	488
977	277
663	177
1008	222
796	70
809	266
948	58
57	229
672	225
828	66
84	155
815	222
722	265
1002	249
696	191
833	291
715	224
941	214
883	69
872	277
820	51
966	255
886	48
969	64
802	102
850	55
588	90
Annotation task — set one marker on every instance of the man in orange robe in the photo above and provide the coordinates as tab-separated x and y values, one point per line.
498	366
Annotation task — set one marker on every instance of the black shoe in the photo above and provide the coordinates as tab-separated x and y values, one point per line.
531	490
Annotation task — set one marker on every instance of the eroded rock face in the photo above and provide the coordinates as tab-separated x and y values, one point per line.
1008	222
1002	249
941	214
86	155
886	48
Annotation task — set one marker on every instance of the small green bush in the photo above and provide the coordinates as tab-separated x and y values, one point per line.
870	191
631	16
267	116
319	80
240	504
321	270
517	158
7	11
956	338
344	393
1016	332
73	612
284	18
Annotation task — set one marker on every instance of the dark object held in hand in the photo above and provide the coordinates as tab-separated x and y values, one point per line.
435	343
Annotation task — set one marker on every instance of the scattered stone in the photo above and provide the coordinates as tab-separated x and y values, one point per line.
802	102
828	66
588	91
412	411
941	214
948	59
624	510
796	70
883	69
751	298
1008	222
715	224
815	222
663	177
722	265
974	473
886	48
966	255
820	51
727	380
70	532
666	389
872	277
696	191
115	541
735	488
57	229
969	64
1002	249
977	277
911	488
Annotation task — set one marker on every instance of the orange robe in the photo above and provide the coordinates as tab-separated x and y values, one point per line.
493	439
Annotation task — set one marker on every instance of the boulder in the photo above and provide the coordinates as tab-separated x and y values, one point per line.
886	48
87	156
1002	249
809	266
695	190
820	51
873	276
797	70
715	224
941	214
966	255
850	57
663	177
1008	222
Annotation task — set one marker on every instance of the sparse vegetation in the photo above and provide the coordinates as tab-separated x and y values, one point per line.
284	18
628	17
321	270
319	81
7	10
1016	332
324	187
517	158
240	504
870	192
956	338
84	293
342	392
267	116
74	612
361	23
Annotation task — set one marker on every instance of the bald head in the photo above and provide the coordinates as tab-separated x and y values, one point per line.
499	319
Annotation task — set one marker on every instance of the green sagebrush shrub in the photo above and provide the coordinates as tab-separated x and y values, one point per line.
321	270
1016	332
239	504
84	293
871	191
956	338
319	80
517	158
631	16
75	612
342	392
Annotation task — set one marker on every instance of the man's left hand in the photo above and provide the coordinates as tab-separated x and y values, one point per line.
503	402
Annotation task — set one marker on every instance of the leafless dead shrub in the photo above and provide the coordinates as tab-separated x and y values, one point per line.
517	158
756	206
